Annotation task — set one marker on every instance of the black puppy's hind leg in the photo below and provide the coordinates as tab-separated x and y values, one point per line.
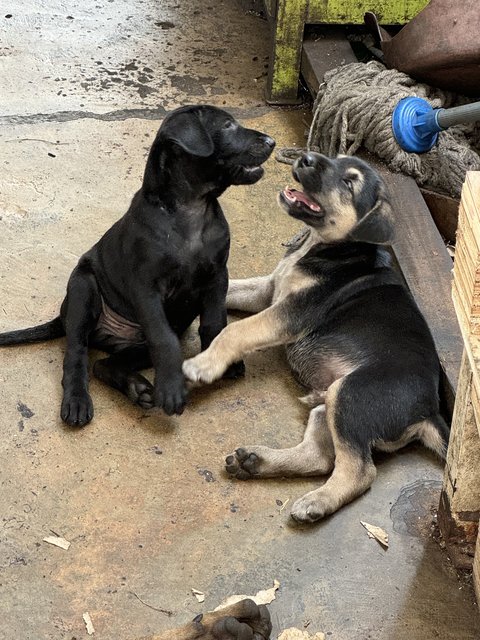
120	372
80	312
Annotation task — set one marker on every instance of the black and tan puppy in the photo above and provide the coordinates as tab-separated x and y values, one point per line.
158	268
244	620
354	337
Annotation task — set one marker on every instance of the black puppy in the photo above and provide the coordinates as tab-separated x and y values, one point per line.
354	337
156	269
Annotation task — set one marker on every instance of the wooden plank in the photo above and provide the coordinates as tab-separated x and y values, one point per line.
284	67
459	510
467	258
476	569
419	248
444	210
329	48
426	267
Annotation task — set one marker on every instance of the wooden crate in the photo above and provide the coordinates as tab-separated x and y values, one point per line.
289	17
459	511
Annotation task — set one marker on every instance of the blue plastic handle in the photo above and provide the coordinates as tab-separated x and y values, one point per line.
416	123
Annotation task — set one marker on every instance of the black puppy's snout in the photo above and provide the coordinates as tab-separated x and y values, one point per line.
307	160
270	142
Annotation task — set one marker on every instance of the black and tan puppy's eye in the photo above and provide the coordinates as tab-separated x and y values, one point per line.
348	183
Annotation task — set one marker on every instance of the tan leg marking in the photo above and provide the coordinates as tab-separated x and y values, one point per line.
251	294
351	476
265	329
312	457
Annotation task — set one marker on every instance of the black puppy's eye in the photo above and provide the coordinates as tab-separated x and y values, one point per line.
228	124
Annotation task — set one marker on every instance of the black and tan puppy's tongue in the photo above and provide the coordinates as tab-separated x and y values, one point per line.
293	195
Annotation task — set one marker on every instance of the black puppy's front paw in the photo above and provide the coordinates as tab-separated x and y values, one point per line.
77	409
140	391
235	370
171	396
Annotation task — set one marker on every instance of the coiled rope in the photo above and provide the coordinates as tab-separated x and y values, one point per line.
354	108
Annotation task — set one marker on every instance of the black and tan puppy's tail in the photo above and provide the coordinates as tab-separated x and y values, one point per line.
434	433
47	331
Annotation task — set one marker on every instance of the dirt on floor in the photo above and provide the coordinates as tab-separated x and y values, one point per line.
142	498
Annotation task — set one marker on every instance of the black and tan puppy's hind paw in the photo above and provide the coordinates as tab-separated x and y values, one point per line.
243	464
243	620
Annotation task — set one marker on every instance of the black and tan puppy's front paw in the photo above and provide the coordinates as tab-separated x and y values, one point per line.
204	368
243	464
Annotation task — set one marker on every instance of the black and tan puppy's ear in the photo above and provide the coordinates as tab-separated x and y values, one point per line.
376	226
189	133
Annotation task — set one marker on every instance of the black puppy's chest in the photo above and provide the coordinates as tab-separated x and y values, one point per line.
193	262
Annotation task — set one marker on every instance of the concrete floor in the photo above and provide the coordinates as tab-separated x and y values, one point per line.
143	498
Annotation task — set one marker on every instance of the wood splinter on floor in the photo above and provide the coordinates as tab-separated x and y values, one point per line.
297	634
199	595
376	532
265	596
88	623
58	541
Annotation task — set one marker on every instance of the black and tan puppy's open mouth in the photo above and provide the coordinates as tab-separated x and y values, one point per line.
298	201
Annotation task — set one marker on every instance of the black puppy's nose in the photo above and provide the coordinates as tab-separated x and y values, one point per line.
270	142
307	160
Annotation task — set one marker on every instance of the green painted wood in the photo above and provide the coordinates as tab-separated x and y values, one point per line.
290	18
284	65
352	11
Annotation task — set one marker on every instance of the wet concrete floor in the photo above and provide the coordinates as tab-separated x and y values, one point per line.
142	498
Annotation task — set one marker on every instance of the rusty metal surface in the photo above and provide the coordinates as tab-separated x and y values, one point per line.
440	46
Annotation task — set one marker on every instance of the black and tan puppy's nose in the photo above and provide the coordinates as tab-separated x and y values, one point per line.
308	160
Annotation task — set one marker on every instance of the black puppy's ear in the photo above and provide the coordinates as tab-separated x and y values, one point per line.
376	226
187	130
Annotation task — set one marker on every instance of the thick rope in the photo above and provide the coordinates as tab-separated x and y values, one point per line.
354	108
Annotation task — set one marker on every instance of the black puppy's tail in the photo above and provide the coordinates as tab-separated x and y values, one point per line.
47	331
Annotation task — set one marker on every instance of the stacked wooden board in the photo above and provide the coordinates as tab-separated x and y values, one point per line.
459	511
466	285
